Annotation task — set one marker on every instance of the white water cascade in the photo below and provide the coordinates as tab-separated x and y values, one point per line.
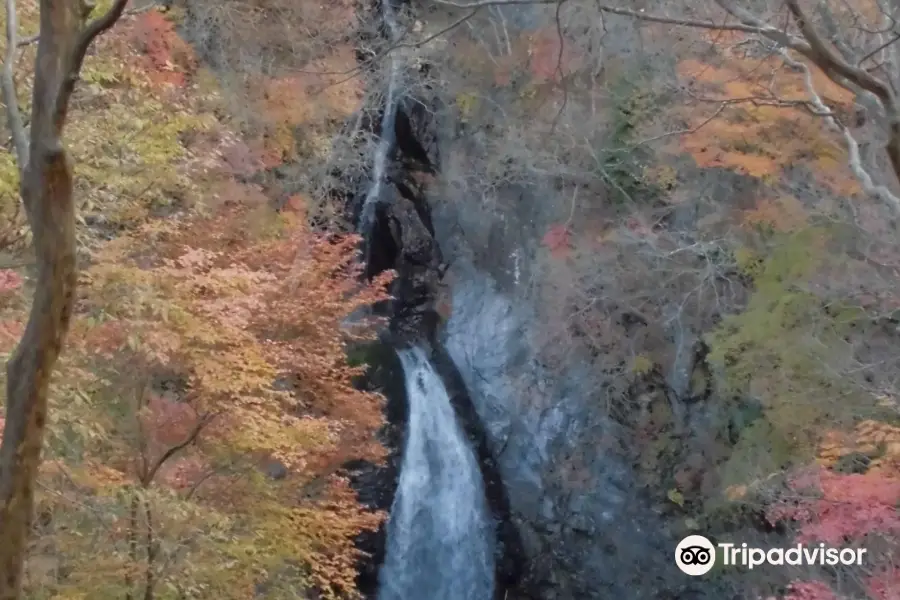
392	98
440	537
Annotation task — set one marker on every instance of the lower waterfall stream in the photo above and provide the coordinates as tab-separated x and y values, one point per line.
440	538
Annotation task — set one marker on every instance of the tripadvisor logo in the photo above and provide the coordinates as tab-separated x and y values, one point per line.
696	555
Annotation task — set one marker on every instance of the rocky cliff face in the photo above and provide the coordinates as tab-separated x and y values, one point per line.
402	238
570	516
572	520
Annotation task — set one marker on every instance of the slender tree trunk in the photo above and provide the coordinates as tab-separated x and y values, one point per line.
149	578
132	545
46	190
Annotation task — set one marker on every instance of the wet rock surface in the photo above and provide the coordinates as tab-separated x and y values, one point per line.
572	518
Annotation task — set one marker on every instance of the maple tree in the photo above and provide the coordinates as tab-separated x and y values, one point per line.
841	509
223	326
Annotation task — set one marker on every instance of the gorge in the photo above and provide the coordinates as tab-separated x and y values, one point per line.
458	299
566	282
557	538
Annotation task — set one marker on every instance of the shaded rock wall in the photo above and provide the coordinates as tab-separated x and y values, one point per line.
402	238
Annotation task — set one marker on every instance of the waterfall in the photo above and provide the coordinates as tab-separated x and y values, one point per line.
392	98
440	537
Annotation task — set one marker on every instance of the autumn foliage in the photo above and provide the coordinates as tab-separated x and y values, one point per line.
846	509
204	407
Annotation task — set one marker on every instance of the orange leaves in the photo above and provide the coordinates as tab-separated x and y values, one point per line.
183	472
196	259
755	134
10	333
877	440
167	56
197	314
551	58
784	213
242	316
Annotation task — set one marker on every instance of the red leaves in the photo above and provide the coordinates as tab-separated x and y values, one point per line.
167	422
833	507
551	56
156	36
557	240
838	509
885	585
183	472
9	280
809	590
10	333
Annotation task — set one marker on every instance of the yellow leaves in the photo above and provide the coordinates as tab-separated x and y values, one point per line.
675	497
9	178
877	440
761	138
665	176
201	315
100	76
466	103
641	365
736	492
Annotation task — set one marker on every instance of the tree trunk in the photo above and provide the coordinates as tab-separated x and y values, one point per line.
46	189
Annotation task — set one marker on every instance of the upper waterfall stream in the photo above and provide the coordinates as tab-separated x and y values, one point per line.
440	536
386	134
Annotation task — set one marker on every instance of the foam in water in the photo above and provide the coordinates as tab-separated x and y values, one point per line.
386	141
440	538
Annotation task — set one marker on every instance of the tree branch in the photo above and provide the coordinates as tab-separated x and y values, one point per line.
128	13
95	28
879	49
8	85
84	40
854	160
831	63
188	440
637	14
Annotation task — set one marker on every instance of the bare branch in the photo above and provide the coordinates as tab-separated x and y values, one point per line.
855	160
833	64
128	13
758	28
879	49
13	116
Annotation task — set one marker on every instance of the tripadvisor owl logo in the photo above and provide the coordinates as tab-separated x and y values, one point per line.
695	555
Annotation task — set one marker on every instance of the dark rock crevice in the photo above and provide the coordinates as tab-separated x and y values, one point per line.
376	484
401	237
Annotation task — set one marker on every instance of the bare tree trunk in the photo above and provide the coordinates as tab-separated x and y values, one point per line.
46	189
